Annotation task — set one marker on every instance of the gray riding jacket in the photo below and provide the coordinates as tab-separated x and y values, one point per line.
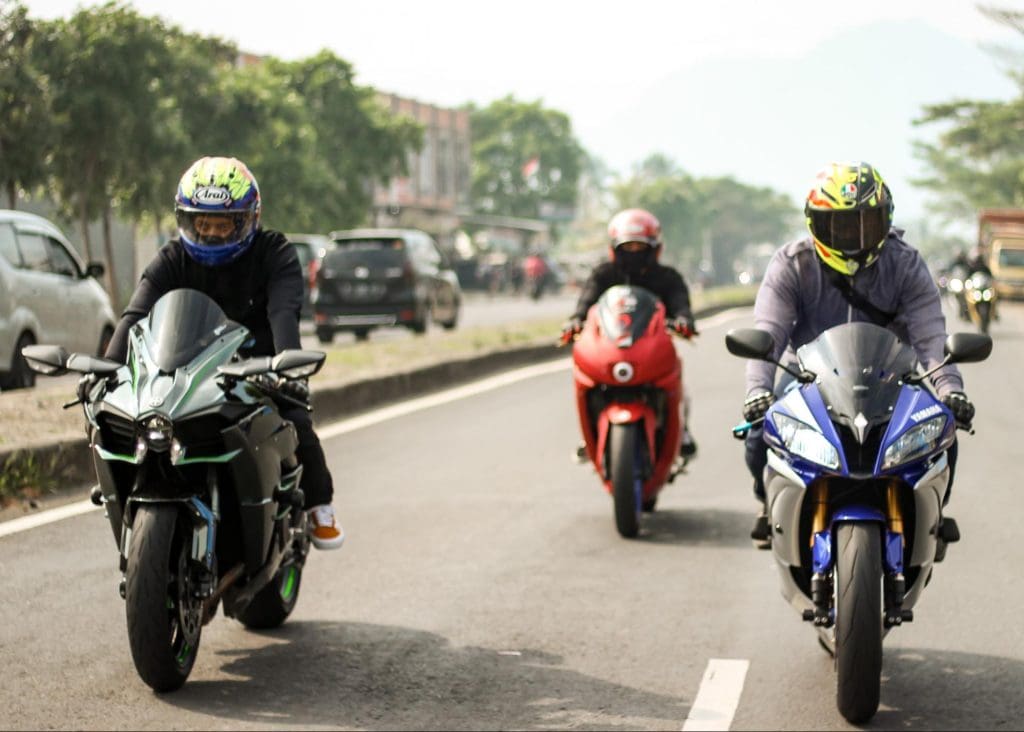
796	303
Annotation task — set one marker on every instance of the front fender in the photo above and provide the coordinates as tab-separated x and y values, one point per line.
624	413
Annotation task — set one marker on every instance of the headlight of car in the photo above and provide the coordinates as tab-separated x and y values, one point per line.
806	441
915	442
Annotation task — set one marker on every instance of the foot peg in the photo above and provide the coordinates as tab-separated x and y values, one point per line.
761	533
949	532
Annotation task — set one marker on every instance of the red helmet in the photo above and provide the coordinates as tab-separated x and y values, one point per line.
634	225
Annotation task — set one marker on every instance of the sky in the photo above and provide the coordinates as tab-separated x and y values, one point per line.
641	77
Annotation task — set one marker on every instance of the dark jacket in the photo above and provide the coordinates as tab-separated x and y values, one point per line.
665	282
261	290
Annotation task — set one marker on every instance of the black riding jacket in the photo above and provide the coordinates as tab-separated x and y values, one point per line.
261	290
665	282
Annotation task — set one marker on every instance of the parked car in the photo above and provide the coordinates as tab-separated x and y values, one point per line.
309	248
384	277
47	295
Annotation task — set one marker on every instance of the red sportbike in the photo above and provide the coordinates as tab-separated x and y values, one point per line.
629	396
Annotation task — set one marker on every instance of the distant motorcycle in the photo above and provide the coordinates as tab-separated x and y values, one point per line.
628	396
856	479
954	283
197	471
980	296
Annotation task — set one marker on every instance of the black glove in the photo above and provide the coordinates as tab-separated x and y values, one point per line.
86	384
684	326
572	328
960	405
295	388
756	404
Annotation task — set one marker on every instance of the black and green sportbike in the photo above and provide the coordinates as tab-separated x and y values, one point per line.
198	474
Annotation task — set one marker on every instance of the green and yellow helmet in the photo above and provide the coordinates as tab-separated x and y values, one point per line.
849	213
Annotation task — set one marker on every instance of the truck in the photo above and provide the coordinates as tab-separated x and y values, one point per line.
1001	241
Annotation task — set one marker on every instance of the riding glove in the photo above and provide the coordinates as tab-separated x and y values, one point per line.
684	326
756	404
960	405
295	388
572	328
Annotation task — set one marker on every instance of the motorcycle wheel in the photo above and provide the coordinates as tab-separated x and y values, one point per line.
858	630
984	315
274	603
624	441
164	618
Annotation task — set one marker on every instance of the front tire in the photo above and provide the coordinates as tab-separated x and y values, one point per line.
20	376
626	484
325	335
858	631
164	619
274	603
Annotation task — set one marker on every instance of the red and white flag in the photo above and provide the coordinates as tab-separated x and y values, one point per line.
531	166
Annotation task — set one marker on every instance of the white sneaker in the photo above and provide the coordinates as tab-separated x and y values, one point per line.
324	531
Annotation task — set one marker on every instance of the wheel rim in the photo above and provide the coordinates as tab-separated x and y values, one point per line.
185	611
289	582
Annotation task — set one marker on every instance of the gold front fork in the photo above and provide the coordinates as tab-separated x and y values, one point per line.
893	510
819	497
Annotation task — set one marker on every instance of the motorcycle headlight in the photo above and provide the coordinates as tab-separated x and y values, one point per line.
806	441
974	295
956	285
987	294
915	442
158	432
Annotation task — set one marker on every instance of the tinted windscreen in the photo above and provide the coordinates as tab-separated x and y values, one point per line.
625	312
366	253
859	366
181	325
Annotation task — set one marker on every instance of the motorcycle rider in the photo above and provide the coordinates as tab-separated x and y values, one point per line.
634	248
854	267
254	276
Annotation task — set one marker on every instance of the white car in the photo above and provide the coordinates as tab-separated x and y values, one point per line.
47	295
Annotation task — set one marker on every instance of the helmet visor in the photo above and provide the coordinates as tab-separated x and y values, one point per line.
849	231
215	229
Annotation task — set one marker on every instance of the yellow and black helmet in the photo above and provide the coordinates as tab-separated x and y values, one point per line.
849	213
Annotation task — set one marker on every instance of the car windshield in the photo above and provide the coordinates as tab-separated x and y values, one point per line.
858	367
1011	257
181	325
625	312
376	252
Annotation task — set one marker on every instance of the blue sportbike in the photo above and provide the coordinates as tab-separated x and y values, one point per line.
857	475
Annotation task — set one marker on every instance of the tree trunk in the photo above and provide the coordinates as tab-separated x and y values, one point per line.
83	221
12	195
108	248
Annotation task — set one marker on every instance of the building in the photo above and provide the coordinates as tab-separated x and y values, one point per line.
435	195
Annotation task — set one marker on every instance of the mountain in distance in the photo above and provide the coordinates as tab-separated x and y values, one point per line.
776	121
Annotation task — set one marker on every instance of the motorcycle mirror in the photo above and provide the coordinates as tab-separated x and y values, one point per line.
294	363
968	347
46	360
750	343
247	367
83	364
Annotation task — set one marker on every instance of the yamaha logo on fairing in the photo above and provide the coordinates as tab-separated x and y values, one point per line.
927	412
212	196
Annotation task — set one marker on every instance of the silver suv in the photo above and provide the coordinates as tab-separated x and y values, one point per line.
47	295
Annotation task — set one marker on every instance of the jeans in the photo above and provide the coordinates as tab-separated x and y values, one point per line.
317	484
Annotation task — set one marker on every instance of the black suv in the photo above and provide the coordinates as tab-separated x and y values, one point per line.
374	277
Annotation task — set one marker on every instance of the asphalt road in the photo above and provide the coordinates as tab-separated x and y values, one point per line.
483	586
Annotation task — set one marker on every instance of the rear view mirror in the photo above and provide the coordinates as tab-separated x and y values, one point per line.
750	343
83	364
46	360
95	269
294	363
248	367
968	347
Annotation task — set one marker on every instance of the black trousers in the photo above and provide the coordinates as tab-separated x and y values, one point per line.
757	450
316	478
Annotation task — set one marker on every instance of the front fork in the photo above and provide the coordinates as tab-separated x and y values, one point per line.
822	555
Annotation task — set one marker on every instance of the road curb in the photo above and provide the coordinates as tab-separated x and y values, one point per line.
69	461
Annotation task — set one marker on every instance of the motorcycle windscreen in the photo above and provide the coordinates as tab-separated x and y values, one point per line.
624	312
181	325
859	367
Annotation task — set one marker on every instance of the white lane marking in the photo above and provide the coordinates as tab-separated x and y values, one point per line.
443	397
45	517
366	420
719	695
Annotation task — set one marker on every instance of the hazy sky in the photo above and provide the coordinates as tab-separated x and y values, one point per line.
592	60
